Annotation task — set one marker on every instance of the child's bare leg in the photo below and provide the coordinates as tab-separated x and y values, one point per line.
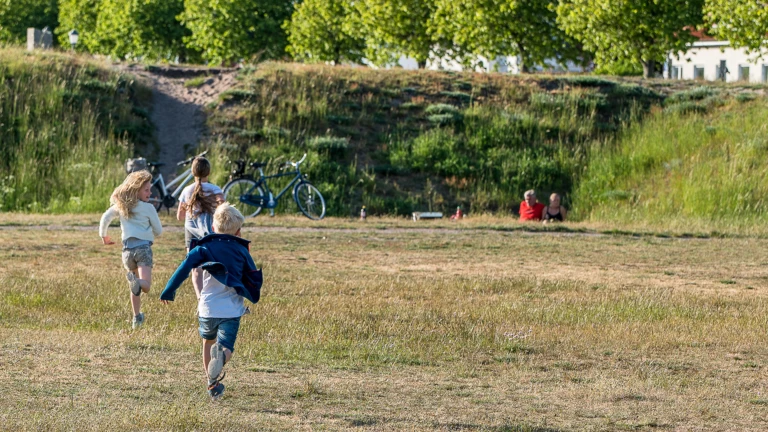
145	278
197	281
135	304
207	344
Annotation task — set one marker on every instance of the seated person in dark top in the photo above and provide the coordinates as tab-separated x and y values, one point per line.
554	211
530	209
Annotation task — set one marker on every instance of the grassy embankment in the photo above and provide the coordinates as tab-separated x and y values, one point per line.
692	166
66	125
398	141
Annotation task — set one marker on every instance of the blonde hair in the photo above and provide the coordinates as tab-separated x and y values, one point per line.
126	196
201	167
227	219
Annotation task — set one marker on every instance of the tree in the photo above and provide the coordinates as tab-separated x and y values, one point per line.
643	30
492	28
78	15
140	28
742	22
228	30
18	15
394	28
320	31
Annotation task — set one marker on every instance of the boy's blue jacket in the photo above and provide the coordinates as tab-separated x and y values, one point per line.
227	259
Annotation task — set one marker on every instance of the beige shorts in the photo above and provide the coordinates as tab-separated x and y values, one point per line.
137	257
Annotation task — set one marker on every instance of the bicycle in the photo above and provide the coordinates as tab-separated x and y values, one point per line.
160	193
251	195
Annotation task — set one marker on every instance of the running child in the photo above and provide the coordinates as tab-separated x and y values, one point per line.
229	276
140	225
197	203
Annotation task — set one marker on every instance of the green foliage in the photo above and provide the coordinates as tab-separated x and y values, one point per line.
393	28
17	15
80	15
620	67
319	31
694	94
744	23
225	31
376	137
140	28
492	28
708	167
67	129
632	30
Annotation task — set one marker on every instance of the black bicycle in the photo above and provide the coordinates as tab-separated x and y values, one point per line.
250	195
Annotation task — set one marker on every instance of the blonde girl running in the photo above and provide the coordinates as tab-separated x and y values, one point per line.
140	225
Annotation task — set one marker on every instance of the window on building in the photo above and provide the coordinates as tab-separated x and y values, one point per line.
765	73
743	73
698	72
675	72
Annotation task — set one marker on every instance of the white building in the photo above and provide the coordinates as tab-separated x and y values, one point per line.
503	64
709	59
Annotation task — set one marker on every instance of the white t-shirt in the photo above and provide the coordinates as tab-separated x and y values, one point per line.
202	224
218	300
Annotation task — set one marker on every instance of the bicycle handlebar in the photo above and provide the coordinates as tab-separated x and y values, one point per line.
188	161
296	164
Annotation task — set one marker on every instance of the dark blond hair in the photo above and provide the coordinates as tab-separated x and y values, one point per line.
201	167
126	196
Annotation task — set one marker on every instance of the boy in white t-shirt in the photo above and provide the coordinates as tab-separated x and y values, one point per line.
229	275
197	203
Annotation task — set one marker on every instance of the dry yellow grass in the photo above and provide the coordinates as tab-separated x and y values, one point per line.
394	328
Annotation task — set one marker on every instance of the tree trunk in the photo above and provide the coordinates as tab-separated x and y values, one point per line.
649	69
422	64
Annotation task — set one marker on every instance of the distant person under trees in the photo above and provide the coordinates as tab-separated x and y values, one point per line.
530	208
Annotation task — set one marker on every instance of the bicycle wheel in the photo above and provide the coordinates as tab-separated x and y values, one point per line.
156	197
235	189
309	200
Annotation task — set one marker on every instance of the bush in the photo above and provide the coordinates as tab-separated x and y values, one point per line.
441	109
684	108
457	95
695	94
745	97
334	147
586	81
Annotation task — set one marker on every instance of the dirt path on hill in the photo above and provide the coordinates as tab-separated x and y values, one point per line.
178	112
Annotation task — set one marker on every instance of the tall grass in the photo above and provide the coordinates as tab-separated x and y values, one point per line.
686	169
65	124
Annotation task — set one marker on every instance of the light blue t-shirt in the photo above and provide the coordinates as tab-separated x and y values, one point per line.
218	300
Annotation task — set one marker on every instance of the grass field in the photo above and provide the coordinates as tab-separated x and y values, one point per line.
386	327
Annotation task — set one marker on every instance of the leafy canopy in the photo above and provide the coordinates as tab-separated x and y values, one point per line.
492	28
641	30
394	28
18	15
742	22
320	31
139	28
225	31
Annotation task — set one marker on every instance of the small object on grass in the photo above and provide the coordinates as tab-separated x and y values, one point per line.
363	213
427	215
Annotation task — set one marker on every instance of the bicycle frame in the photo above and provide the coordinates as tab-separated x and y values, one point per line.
269	201
180	180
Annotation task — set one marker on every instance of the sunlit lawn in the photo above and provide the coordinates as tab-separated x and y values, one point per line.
381	327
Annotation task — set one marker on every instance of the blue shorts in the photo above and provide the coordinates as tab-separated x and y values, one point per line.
222	329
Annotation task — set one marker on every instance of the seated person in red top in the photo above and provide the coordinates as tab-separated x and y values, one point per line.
530	209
